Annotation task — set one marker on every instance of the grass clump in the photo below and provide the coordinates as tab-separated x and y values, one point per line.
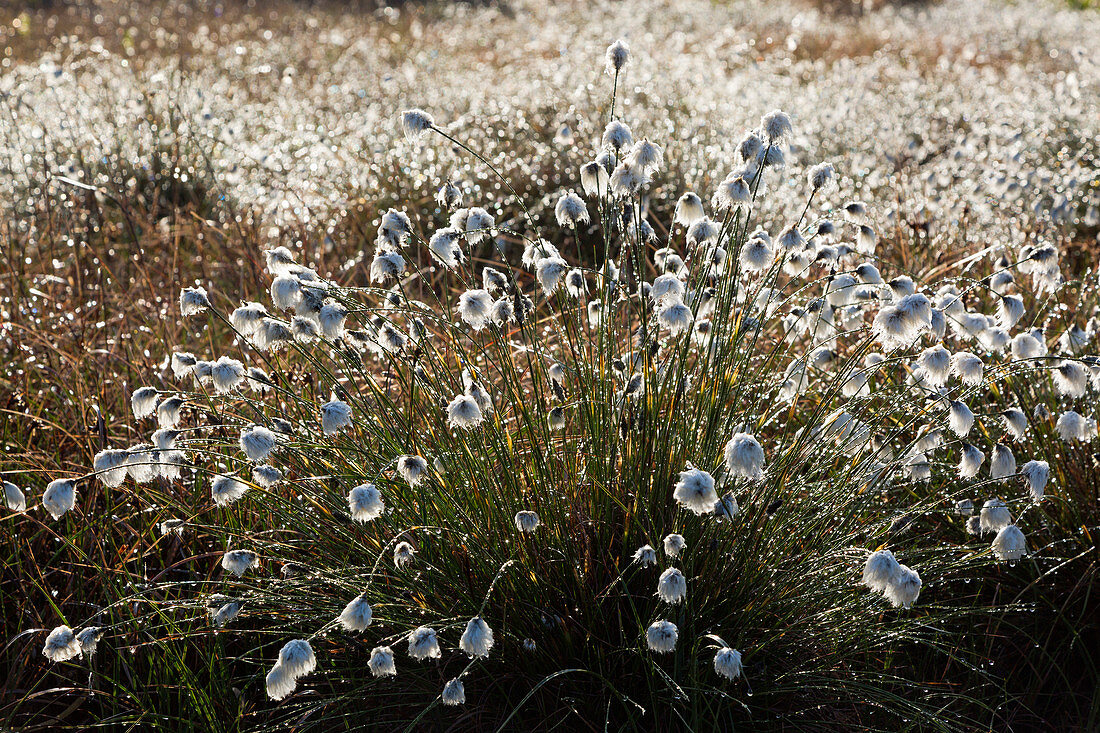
699	471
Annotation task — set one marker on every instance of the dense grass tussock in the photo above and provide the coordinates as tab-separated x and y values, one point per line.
696	475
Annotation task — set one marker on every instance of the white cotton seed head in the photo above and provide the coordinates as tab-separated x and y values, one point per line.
172	463
676	317
477	639
475	308
477	393
266	476
570	211
454	693
61	645
1003	463
879	569
917	468
555	419
750	147
238	562
444	248
246	318
463	412
661	636
272	334
257	442
381	662
689	209
726	507
385	266
617	136
745	457
1071	379
727	663
412	469
968	368
731	193
1072	426
365	503
666	288
1009	311
479	225
960	419
595	180
143	402
903	589
286	292
415	123
423	644
892	327
616	57
142	463
550	271
59	497
929	441
494	280
646	156
776	126
226	374
527	521
674	544
1026	346
935	361
193	301
279	682
971	461
305	330
226	490
695	491
575	283
356	616
820	175
403	553
225	613
1036	474
626	180
791	240
1074	340
672	586
89	638
183	364
110	466
756	255
14	497
278	260
535	252
297	657
702	233
645	556
1010	543
994	516
1015	422
332	319
335	416
917	311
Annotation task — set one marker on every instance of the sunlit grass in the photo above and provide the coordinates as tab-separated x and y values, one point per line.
780	581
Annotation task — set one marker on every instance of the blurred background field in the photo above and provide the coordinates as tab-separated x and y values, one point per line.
148	145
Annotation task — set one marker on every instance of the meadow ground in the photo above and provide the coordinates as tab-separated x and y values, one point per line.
146	147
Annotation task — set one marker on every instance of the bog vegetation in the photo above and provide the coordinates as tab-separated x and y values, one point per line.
701	397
